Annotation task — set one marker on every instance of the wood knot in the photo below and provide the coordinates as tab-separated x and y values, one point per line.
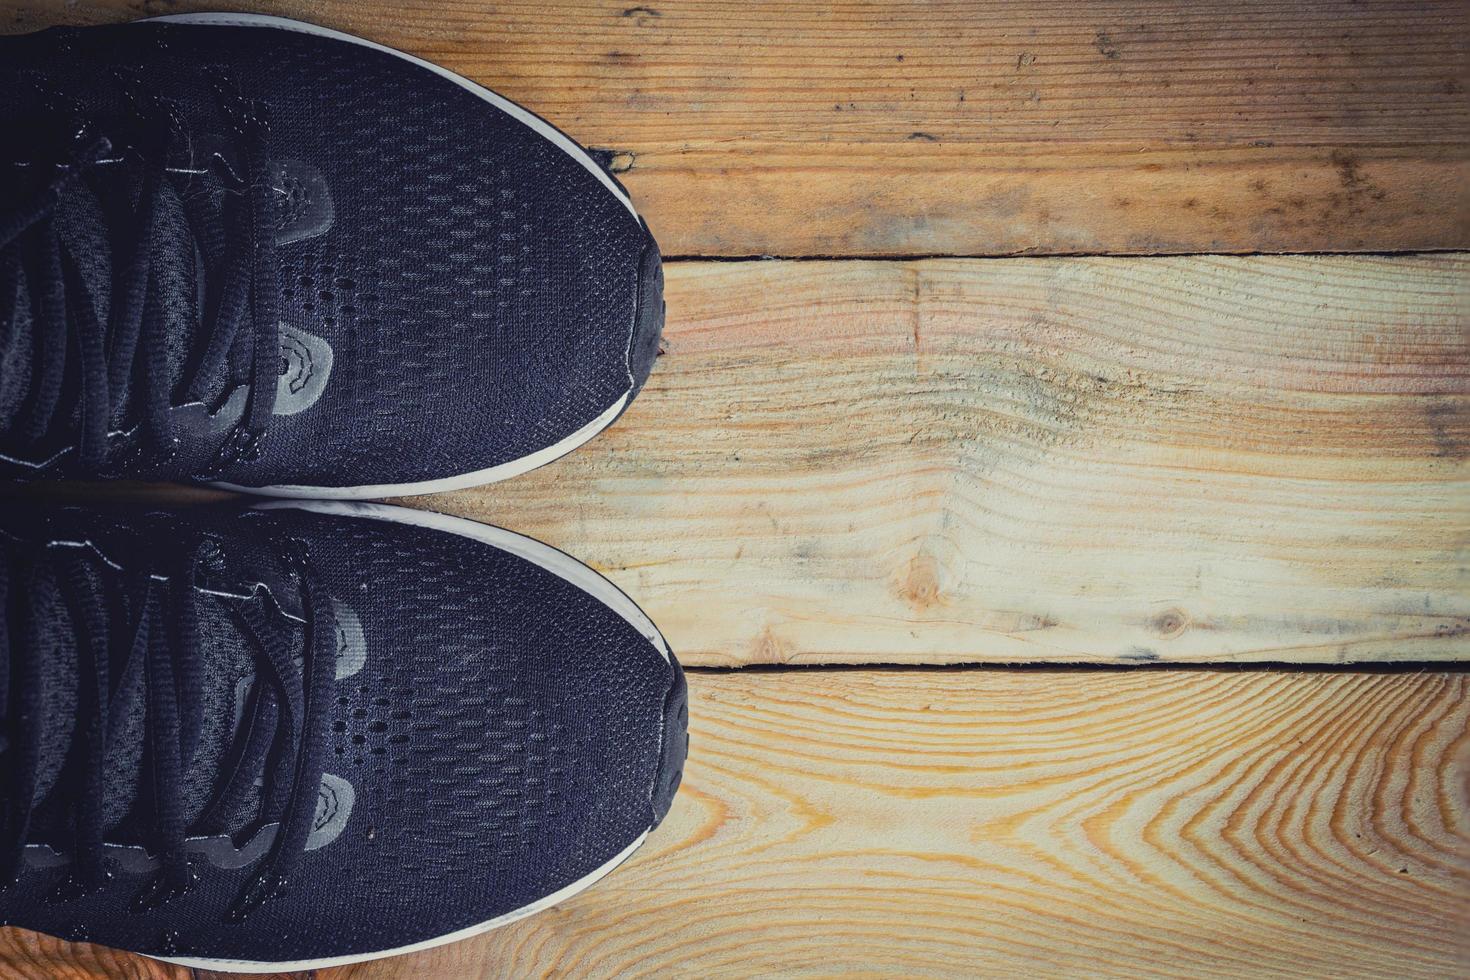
920	585
1170	623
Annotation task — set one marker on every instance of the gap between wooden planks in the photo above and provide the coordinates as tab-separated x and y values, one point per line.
1173	459
942	822
971	128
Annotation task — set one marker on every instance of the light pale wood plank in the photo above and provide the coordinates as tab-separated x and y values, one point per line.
1183	459
993	823
1188	460
974	128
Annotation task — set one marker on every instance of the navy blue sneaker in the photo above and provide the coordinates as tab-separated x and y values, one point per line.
309	734
252	252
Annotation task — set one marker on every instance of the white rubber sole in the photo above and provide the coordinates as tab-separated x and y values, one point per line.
557	562
563	142
253	966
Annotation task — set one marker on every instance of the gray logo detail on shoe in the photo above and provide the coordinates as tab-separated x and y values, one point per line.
305	366
305	207
333	806
306	363
351	644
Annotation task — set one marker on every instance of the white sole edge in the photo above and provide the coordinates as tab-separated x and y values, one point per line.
503	471
555	561
249	966
563	142
520	114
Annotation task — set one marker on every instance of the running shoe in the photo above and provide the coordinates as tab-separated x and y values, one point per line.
248	251
308	734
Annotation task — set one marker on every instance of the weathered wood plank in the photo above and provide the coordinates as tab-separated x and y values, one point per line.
991	823
971	128
1182	459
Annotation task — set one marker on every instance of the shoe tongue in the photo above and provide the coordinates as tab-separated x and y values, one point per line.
98	220
55	666
223	663
176	268
81	226
177	281
223	670
16	365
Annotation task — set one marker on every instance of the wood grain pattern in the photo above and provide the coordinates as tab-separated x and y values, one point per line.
993	823
885	127
1177	459
26	955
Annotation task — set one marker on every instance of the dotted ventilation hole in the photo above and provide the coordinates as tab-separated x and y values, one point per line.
325	293
371	727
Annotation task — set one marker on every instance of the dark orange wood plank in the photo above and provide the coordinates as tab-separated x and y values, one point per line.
26	955
974	128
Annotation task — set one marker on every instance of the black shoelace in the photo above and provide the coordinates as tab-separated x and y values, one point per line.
152	654
111	355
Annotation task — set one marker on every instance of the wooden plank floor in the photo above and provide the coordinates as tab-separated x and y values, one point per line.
899	445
